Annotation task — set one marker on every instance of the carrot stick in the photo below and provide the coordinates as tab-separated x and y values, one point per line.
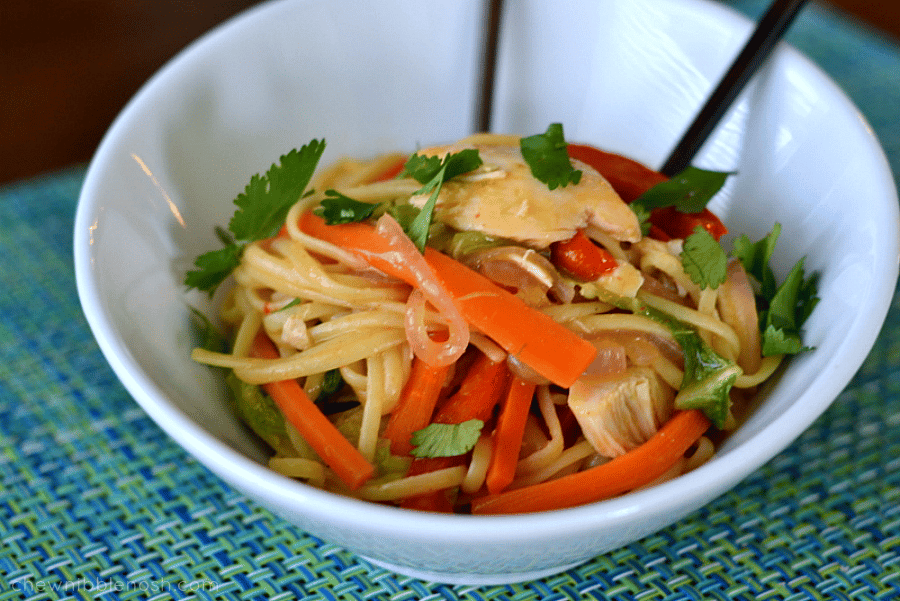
622	474
508	435
547	347
336	451
416	405
479	392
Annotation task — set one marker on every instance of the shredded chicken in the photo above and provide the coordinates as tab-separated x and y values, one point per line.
502	198
621	412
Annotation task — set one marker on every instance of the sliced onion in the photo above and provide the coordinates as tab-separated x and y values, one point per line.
611	358
522	371
428	289
737	305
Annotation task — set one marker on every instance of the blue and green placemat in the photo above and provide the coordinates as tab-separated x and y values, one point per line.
96	502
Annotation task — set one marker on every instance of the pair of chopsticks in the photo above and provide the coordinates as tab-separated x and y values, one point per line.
770	29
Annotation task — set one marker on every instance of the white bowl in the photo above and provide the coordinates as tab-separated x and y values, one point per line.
626	75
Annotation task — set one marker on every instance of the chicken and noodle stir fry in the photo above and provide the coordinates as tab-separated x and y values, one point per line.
500	325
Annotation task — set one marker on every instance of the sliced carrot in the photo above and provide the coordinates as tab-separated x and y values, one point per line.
581	257
478	394
416	405
481	389
542	344
335	450
547	347
622	474
508	435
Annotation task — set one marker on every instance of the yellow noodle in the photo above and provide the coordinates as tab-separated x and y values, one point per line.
543	458
574	311
326	249
313	385
355	322
614	322
489	139
413	485
478	465
243	340
765	371
668	371
676	470
704	452
296	467
264	269
606	241
577	452
691	317
323	357
381	191
372	408
354	375
397	362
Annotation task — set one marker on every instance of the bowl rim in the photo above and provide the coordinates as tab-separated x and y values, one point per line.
258	481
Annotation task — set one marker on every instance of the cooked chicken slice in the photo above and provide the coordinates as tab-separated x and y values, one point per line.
502	198
618	413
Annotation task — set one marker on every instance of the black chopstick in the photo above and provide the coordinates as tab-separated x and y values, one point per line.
485	95
770	30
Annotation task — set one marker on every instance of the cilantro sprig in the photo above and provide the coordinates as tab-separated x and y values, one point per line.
261	209
783	309
689	191
547	156
432	171
703	259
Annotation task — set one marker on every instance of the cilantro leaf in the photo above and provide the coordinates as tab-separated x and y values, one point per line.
547	156
262	207
424	169
788	308
433	172
755	257
266	200
704	259
338	208
446	440
417	230
776	341
688	191
708	377
213	267
783	309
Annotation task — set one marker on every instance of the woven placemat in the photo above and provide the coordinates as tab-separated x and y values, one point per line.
96	502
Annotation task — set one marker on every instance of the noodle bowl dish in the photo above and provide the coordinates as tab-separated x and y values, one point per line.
483	357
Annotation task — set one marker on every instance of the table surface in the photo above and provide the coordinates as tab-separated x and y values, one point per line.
97	502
